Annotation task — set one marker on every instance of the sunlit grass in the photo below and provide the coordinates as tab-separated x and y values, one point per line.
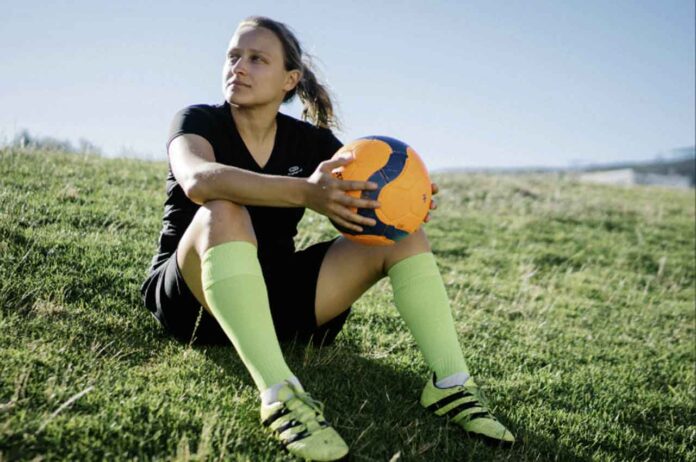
574	305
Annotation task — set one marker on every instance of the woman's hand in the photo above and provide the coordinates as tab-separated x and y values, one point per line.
326	194
433	205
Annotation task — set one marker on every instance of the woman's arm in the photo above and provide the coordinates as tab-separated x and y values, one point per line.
193	164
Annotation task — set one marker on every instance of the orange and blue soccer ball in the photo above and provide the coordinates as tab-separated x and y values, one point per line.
404	190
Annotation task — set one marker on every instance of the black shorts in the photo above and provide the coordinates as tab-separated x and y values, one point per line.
291	283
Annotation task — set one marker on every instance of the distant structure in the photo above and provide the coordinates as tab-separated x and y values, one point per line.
678	171
629	176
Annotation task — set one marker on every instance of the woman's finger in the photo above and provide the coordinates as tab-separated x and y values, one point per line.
435	189
350	201
366	221
357	185
328	165
354	217
346	224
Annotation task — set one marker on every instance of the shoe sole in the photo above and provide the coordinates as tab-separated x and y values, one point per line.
345	458
490	441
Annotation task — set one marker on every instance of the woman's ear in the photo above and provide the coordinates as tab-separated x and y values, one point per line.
292	79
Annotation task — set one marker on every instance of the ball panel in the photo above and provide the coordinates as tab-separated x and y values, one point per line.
370	157
407	197
422	186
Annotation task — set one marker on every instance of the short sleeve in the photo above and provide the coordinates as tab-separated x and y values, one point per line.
193	119
328	144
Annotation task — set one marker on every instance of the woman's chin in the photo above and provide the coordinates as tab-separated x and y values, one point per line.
236	99
247	101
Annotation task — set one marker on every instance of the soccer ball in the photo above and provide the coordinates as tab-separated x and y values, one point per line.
404	190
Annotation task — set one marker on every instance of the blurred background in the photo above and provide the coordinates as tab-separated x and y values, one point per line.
468	84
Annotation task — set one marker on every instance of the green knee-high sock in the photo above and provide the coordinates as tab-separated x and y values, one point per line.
236	294
421	299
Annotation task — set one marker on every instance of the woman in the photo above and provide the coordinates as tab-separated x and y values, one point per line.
241	174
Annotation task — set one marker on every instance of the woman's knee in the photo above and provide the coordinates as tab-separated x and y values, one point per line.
413	244
224	221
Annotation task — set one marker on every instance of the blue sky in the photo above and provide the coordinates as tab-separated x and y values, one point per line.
467	84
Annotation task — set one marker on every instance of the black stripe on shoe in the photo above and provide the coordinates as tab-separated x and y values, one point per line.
276	415
478	414
449	399
456	410
289	424
296	437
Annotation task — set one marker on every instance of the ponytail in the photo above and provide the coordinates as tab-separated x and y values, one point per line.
316	99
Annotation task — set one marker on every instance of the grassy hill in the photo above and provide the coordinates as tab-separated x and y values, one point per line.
574	304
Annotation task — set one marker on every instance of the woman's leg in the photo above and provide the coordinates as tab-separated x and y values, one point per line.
217	258
349	269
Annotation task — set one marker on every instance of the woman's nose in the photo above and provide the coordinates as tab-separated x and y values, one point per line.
239	67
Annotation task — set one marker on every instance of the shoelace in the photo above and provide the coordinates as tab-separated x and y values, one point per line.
481	401
305	408
478	394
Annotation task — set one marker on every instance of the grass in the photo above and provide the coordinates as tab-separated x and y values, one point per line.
574	305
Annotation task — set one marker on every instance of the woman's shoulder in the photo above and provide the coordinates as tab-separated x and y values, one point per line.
304	128
214	110
319	142
206	120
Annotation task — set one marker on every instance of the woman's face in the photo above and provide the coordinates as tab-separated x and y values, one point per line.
254	72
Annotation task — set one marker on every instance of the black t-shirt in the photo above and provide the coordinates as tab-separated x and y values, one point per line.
298	149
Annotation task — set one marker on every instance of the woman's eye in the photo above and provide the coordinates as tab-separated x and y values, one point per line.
233	58
256	58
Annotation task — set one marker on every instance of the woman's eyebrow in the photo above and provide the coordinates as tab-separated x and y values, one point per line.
253	50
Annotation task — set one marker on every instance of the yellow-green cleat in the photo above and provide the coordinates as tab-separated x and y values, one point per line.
465	406
298	422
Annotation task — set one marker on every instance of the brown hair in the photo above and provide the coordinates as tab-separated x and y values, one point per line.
315	98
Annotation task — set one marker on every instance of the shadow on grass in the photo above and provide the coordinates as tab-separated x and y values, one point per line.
374	406
372	402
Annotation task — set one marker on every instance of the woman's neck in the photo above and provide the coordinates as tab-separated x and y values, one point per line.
255	124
